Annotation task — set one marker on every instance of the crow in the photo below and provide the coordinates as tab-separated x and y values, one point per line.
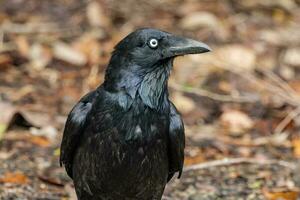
125	140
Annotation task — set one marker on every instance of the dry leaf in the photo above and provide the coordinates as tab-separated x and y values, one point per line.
90	47
198	20
39	56
49	132
68	54
237	56
38	140
296	147
183	104
5	60
193	160
193	156
236	121
292	57
96	16
35	119
15	177
6	114
22	45
281	195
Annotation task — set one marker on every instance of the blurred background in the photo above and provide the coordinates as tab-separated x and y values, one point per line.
240	103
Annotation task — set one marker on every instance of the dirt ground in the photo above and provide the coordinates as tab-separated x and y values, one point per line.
240	103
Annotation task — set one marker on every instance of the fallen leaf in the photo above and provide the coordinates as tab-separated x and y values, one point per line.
236	121
49	132
296	147
6	114
183	104
22	45
38	140
39	56
3	128
280	195
90	47
292	57
68	54
286	4
15	177
193	160
56	152
27	119
5	60
50	178
237	56
198	20
96	16
193	156
288	73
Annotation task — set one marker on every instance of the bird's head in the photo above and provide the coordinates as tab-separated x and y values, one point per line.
142	62
149	47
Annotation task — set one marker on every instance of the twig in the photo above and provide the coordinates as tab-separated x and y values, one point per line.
281	83
1	39
164	197
234	161
290	117
281	92
261	141
32	28
211	95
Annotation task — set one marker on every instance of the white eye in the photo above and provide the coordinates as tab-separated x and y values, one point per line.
153	43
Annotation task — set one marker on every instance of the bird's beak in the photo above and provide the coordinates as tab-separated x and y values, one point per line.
182	46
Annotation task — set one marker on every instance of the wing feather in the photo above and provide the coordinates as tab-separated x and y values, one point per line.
176	143
74	129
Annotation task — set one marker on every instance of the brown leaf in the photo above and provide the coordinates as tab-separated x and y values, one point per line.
38	140
280	195
237	56
236	121
66	53
296	147
22	45
5	60
90	47
291	57
26	118
96	16
6	114
14	177
193	160
196	20
184	104
295	84
193	156
39	56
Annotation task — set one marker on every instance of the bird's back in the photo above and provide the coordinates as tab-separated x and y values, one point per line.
123	154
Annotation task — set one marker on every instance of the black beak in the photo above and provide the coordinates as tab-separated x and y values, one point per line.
179	46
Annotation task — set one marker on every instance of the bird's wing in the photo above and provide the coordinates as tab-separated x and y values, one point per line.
74	128
176	143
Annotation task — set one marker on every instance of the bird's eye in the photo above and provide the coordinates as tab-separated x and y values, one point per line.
153	43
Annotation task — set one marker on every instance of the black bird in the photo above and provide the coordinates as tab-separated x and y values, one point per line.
125	140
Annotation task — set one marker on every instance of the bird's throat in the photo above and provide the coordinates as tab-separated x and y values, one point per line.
153	88
150	85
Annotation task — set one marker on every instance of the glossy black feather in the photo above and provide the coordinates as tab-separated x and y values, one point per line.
74	128
125	140
176	143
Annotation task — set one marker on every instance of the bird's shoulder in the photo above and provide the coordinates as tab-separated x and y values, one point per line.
74	129
176	142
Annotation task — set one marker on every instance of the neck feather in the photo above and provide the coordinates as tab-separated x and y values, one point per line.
148	84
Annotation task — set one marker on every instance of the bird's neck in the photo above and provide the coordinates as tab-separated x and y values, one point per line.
153	89
150	86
